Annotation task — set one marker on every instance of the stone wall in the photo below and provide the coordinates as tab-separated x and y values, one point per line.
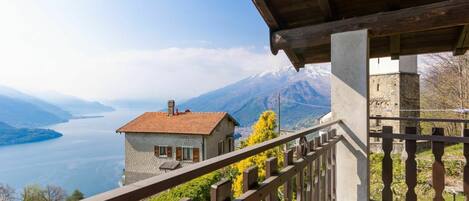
390	96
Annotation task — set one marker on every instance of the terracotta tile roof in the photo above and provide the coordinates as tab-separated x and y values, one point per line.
197	123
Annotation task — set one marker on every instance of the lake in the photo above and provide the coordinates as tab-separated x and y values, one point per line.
89	156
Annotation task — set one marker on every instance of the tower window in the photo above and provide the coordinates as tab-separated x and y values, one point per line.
377	87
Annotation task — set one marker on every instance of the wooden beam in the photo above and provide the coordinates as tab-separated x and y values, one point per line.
327	8
420	18
393	4
274	24
395	46
463	42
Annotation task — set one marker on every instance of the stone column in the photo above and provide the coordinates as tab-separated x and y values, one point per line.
349	99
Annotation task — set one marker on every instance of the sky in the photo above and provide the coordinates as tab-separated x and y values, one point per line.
140	49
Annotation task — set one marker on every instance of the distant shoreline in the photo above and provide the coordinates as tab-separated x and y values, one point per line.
87	117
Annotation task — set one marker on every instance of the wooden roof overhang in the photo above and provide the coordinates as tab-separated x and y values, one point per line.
303	28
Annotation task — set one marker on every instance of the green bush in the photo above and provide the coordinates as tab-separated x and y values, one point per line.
197	189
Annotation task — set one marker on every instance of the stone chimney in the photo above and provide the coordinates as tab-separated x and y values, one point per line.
171	105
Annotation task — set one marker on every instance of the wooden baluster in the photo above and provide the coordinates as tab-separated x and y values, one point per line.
250	178
221	191
299	176
287	187
317	171
271	170
387	165
322	169
334	168
466	167
411	165
314	177
438	173
329	169
309	174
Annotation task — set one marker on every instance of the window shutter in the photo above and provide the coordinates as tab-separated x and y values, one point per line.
196	155
157	151
169	152
178	153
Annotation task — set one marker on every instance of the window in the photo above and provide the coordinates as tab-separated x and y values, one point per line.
377	87
187	153
220	147
163	152
378	121
230	144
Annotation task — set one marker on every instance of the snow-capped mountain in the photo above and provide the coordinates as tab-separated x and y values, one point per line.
303	95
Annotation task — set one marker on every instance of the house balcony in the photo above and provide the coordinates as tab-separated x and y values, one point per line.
310	168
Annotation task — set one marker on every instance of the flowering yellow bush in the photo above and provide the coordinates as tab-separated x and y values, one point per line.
263	130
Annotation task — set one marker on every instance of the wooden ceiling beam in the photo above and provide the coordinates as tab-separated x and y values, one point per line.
395	46
263	8
420	18
393	4
328	9
463	42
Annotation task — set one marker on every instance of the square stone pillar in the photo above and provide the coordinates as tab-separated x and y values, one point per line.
349	100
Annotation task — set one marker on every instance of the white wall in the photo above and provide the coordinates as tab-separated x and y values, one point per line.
405	64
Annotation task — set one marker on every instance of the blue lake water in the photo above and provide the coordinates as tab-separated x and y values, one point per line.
89	156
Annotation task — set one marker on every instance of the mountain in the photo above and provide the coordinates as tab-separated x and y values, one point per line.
74	105
10	135
303	95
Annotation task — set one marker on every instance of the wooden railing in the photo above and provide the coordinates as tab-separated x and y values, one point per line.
311	165
438	140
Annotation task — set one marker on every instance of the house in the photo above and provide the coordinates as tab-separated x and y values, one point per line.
157	142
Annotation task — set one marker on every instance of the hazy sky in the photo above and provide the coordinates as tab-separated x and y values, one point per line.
116	49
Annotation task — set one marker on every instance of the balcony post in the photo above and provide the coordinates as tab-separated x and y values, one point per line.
349	100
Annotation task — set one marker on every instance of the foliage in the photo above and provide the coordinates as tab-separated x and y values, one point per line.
76	196
454	166
197	189
445	81
6	193
263	130
37	193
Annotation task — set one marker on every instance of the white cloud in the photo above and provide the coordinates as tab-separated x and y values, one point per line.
163	73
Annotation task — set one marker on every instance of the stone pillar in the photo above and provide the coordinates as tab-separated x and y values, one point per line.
349	99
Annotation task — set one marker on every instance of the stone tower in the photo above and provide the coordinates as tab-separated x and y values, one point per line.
394	92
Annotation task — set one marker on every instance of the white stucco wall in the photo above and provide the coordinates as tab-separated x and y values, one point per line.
224	129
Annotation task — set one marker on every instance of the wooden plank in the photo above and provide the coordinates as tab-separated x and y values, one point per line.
271	170
449	139
287	187
420	18
334	167
395	46
438	171
250	176
411	165
463	42
300	196
286	173
322	174
221	191
466	166
317	167
328	169
422	119
157	184
328	8
386	173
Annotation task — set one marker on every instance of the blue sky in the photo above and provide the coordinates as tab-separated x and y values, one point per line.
103	49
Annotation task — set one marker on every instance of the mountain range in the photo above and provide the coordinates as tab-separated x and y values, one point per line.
19	109
304	95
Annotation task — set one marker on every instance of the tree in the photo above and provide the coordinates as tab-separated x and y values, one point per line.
445	83
76	195
6	193
54	193
33	193
263	130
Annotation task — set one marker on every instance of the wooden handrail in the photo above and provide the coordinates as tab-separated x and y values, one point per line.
422	119
154	185
451	139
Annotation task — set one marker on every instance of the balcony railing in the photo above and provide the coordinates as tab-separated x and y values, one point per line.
438	141
311	165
